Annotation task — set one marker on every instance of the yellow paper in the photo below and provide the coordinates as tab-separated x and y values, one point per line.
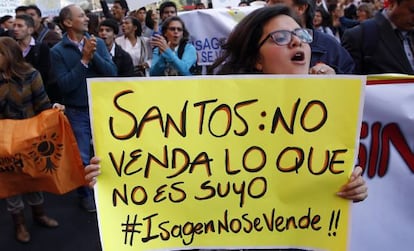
232	162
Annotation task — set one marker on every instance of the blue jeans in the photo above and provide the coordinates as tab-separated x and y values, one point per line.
79	120
15	203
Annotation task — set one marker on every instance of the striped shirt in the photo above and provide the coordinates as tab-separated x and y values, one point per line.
22	99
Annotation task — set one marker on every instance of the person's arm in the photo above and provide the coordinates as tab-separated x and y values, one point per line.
40	100
102	60
43	63
92	171
105	9
352	44
68	77
356	188
322	69
126	67
158	64
183	65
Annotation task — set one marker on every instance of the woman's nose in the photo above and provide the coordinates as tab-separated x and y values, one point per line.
295	41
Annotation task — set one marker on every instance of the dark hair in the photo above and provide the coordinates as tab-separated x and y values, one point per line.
165	5
166	24
15	64
148	20
51	25
4	18
123	4
65	13
309	11
56	20
368	8
135	23
28	20
93	23
20	8
241	50
142	8
111	23
34	7
244	2
326	17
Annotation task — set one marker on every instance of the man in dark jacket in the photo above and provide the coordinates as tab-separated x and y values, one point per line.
108	29
37	54
74	59
41	34
384	44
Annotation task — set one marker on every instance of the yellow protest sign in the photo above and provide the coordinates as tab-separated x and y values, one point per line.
233	161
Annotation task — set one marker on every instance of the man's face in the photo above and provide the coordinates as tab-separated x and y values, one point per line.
8	24
21	30
79	21
141	15
168	12
402	14
36	18
107	34
117	11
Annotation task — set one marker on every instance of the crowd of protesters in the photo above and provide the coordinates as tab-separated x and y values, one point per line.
334	37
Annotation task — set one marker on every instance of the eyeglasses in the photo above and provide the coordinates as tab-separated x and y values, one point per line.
284	37
175	29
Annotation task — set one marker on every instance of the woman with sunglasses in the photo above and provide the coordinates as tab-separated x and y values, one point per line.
270	40
173	55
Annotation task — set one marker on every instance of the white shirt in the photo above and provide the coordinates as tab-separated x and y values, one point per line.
134	50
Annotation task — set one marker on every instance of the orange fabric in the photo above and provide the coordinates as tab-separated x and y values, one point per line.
39	154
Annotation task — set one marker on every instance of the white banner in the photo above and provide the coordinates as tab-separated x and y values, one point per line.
385	220
209	28
48	7
136	4
7	7
225	3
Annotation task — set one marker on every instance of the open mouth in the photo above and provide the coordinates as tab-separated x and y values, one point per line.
299	56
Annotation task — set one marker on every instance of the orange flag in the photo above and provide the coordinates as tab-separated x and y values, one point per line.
39	154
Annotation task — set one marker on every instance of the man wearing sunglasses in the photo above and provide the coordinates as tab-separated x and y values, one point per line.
325	49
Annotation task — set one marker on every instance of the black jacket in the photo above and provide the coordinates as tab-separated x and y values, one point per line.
123	62
39	58
387	52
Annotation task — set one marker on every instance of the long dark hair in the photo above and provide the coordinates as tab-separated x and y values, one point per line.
186	34
148	20
14	65
241	50
136	23
166	24
326	17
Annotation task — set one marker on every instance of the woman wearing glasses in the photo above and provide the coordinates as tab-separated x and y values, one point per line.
173	55
270	40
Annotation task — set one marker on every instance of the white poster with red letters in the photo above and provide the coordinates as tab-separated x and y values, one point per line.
385	220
